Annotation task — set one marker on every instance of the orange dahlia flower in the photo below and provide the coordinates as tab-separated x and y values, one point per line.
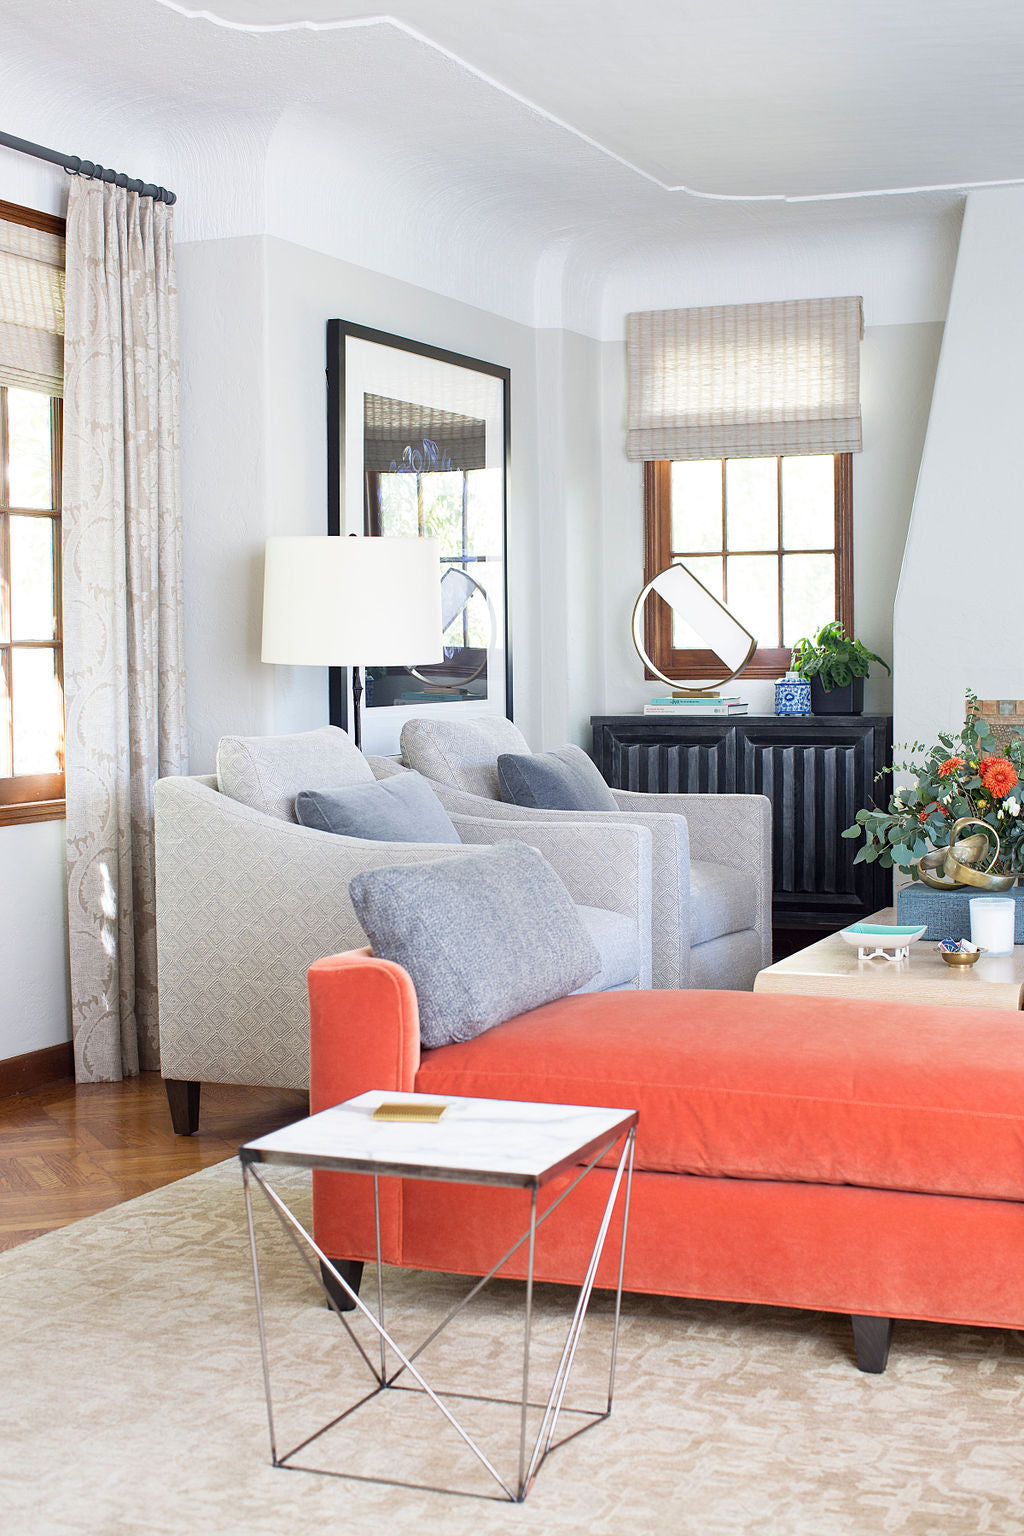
931	810
999	777
950	766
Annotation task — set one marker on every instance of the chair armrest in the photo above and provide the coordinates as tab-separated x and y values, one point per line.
385	767
601	865
670	868
724	829
244	905
735	830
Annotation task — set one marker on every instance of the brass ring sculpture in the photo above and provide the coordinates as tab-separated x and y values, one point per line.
674	683
957	861
433	682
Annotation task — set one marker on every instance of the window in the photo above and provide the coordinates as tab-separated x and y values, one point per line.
771	537
31	663
745	417
461	508
31	418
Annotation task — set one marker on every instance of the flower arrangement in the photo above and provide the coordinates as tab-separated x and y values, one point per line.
967	775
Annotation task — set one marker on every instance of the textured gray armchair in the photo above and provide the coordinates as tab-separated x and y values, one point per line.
711	854
246	900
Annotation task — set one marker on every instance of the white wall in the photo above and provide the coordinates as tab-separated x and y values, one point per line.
225	426
570	619
254	313
897	378
959	613
254	316
34	1005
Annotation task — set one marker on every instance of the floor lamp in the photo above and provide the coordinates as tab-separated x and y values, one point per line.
352	602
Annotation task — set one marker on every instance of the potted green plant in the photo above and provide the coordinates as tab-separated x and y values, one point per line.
836	668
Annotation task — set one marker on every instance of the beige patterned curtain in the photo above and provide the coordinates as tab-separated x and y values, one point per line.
123	643
744	380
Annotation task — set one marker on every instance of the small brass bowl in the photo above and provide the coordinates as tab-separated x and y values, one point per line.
961	958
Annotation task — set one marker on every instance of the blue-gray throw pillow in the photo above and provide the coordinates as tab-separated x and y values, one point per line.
484	935
402	809
565	780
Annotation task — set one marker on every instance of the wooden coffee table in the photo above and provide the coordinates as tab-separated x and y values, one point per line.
830	968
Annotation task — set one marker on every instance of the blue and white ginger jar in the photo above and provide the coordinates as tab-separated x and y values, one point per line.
793	695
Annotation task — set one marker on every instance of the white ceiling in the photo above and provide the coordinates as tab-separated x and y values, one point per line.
741	98
738	99
586	130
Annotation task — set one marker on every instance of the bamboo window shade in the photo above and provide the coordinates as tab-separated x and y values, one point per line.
744	380
390	426
31	308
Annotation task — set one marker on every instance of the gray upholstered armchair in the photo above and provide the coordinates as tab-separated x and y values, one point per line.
712	871
247	899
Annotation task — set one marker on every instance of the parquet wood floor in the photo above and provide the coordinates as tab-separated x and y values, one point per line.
71	1150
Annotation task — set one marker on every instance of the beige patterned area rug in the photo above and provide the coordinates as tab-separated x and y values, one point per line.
131	1401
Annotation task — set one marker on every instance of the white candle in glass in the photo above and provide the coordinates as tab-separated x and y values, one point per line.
992	923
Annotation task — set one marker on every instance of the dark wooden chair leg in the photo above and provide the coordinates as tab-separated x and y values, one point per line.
352	1269
872	1337
183	1102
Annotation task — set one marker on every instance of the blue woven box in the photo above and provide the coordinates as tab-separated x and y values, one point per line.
946	912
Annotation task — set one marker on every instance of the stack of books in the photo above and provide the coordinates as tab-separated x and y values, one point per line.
720	704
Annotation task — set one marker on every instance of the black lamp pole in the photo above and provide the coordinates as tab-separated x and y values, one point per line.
357	694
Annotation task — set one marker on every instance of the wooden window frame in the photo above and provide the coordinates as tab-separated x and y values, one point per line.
31	797
767	661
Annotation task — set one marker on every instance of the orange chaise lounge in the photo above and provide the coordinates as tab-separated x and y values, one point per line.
799	1152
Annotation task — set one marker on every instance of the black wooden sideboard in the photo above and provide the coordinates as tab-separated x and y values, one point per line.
817	770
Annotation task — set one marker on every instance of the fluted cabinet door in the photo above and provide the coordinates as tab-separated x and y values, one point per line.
817	771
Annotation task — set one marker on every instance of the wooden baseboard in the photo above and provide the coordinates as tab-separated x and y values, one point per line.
37	1069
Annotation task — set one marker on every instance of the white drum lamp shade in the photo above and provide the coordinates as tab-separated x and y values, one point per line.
345	602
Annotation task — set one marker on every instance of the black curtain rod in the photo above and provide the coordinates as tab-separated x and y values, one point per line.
76	167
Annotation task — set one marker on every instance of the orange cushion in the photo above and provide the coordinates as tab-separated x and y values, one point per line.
769	1087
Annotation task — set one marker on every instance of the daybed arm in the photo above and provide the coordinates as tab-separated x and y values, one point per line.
364	1033
364	1028
245	903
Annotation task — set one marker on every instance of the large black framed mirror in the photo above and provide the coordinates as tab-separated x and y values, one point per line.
418	446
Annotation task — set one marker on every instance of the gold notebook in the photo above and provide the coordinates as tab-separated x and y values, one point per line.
418	1114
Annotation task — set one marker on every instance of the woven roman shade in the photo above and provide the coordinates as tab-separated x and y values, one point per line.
394	427
31	308
744	380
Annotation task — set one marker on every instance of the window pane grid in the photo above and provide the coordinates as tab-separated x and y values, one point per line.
754	574
31	649
686	519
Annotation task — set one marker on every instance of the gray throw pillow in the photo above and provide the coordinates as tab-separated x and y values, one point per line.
484	936
565	780
403	809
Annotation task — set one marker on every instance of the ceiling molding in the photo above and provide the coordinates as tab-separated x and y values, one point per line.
355	23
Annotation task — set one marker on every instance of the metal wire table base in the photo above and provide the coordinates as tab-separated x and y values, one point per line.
386	1375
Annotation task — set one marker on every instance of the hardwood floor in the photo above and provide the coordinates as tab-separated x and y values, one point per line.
69	1151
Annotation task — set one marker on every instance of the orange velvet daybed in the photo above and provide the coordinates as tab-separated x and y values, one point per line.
802	1152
